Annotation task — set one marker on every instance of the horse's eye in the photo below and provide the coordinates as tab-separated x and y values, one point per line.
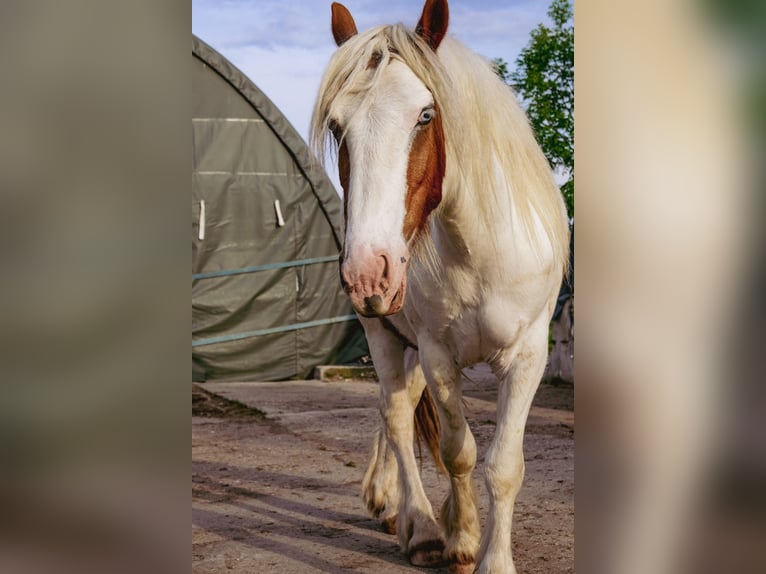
426	116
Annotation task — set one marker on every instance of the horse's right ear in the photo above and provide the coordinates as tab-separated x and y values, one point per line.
432	25
343	26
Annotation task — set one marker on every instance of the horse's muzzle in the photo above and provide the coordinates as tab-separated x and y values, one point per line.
376	284
376	306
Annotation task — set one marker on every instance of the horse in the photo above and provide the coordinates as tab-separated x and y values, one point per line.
455	243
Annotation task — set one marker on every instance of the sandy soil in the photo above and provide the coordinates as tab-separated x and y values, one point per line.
277	471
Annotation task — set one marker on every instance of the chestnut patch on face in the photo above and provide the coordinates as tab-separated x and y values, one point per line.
343	173
425	173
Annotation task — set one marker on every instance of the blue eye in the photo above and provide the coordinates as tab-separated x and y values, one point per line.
426	116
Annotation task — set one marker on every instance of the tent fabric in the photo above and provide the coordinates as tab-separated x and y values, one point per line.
266	300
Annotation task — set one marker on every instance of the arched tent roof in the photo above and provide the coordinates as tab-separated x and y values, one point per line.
266	300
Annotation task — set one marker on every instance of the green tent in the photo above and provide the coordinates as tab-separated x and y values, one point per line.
266	298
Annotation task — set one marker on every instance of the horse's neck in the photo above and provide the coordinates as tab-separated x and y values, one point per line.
465	231
486	243
450	237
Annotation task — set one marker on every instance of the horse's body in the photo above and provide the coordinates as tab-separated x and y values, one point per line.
456	240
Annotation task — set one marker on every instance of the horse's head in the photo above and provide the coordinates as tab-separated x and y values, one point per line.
391	154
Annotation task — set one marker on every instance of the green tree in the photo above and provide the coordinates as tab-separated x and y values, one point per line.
544	81
501	69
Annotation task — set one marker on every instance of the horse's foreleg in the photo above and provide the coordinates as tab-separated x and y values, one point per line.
401	383
380	487
520	373
459	514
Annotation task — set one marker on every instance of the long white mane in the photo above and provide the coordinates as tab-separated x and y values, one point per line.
486	131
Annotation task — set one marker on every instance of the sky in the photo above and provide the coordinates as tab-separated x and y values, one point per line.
283	46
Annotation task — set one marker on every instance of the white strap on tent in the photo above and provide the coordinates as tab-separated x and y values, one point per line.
280	219
201	220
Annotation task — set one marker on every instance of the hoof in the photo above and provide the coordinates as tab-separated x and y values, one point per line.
429	554
389	525
467	568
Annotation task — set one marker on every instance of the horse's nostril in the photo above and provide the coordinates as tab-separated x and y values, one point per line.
386	265
343	282
374	303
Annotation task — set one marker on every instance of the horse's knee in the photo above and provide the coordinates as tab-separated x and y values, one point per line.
504	477
458	452
399	433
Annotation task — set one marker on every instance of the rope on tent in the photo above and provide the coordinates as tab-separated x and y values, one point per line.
280	219
272	330
201	235
265	267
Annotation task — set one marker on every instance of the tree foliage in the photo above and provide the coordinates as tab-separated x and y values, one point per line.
544	81
501	69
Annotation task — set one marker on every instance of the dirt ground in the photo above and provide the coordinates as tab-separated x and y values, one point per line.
277	471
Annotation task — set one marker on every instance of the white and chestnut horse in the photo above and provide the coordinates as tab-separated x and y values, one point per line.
455	244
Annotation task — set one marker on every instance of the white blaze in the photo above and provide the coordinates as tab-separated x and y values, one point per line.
380	129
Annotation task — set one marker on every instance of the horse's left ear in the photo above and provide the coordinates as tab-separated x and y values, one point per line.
432	25
343	25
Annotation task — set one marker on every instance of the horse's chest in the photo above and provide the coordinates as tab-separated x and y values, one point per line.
454	321
471	324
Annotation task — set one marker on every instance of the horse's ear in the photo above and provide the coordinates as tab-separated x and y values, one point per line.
432	25
343	26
